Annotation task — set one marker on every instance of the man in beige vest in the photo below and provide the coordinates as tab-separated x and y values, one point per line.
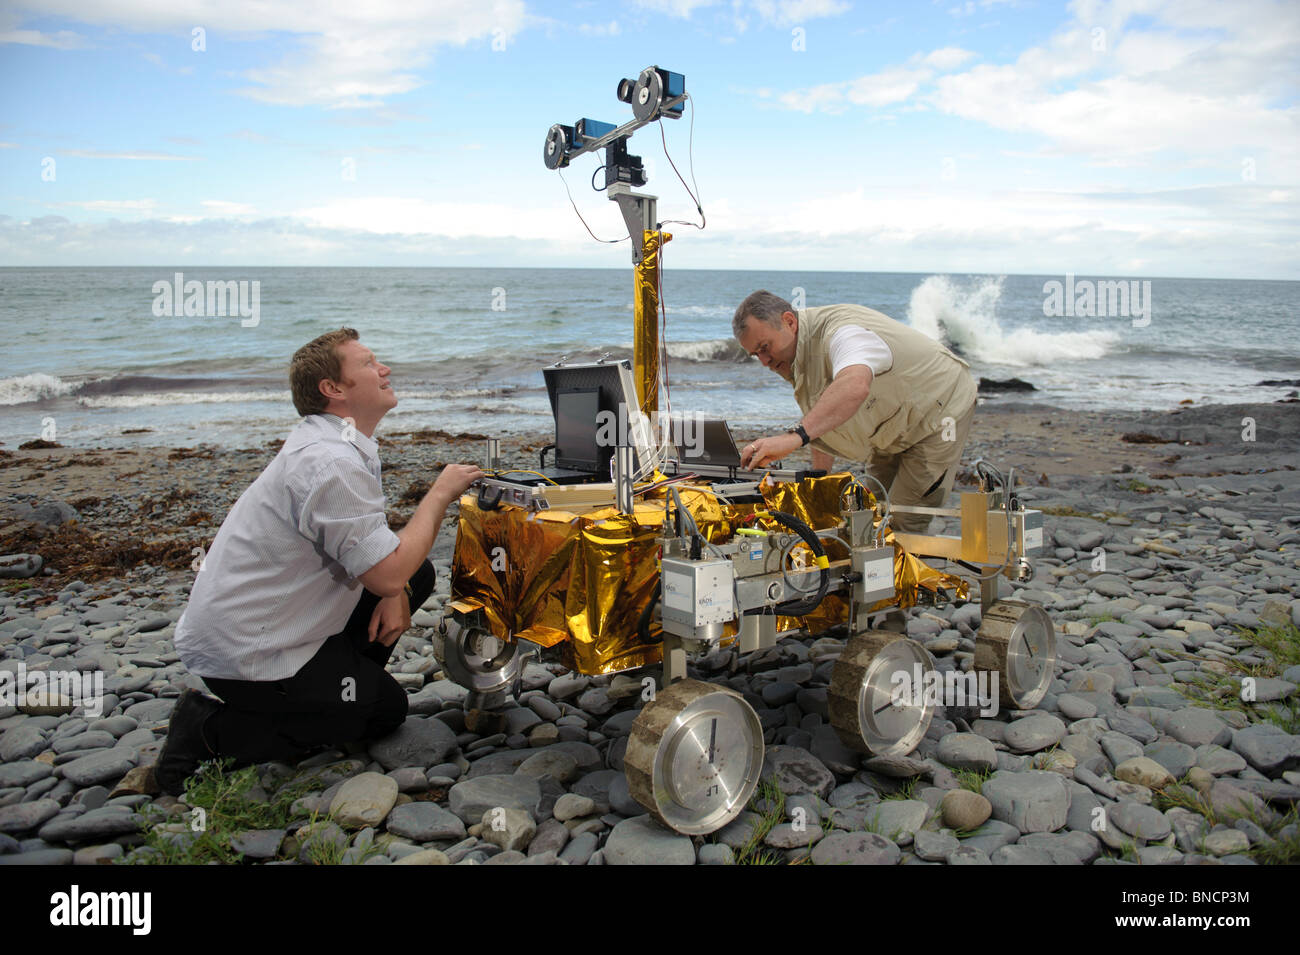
872	390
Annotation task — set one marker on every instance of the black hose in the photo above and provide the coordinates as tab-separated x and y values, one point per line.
797	608
643	625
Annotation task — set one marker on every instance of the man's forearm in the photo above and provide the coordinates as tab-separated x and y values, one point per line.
821	461
839	401
414	541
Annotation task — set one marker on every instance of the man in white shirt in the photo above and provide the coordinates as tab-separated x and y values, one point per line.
306	589
872	390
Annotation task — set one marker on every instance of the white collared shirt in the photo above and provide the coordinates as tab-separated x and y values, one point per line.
281	575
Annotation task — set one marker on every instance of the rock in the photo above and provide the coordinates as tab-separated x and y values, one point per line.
511	829
1219	761
560	766
992	836
1033	801
643	841
258	843
1033	733
96	824
580	848
364	800
898	819
1075	707
795	770
551	836
712	854
967	751
1021	855
25	816
1119	747
855	848
1140	821
23	772
18	566
740	831
1178	758
1143	771
573	806
23	742
968	855
425	822
424	857
789	836
1226	842
896	767
1267	748
934	846
420	741
963	809
104	766
1198	726
137	782
470	798
98	855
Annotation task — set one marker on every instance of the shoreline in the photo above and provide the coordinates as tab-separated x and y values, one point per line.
155	504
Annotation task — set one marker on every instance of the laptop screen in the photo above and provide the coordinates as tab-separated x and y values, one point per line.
575	429
704	441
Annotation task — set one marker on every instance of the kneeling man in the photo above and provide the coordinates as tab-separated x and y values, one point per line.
306	589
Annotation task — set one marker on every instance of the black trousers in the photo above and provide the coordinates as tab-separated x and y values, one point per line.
342	694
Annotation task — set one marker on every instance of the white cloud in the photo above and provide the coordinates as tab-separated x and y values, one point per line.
945	59
62	40
599	29
892	85
140	155
787	12
350	54
221	207
774	12
1119	82
141	206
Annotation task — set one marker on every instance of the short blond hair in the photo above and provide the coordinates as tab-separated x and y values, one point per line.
317	360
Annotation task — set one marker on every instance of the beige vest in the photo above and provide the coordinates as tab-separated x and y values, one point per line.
926	383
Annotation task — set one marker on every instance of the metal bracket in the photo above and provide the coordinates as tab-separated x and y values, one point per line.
640	213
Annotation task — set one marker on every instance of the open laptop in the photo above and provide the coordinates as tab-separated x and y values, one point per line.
705	441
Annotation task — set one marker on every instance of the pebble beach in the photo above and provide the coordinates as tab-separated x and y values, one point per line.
1170	566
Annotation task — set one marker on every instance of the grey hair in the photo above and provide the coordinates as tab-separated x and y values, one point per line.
762	306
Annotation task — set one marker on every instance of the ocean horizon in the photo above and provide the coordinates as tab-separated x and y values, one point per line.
98	351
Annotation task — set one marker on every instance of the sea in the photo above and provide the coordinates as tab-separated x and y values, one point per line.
109	357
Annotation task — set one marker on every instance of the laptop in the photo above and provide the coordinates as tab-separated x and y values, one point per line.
710	442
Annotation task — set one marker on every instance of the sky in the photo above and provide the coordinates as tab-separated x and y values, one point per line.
1126	138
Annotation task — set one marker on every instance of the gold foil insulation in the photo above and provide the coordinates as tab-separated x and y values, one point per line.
582	581
645	324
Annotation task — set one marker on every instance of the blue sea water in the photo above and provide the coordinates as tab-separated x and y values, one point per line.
88	356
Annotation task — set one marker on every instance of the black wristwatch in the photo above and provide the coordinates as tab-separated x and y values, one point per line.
803	435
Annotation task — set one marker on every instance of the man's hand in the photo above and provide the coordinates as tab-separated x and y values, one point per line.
391	619
766	450
455	479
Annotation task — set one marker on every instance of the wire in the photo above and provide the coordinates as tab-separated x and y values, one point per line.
524	471
698	208
584	221
595	187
